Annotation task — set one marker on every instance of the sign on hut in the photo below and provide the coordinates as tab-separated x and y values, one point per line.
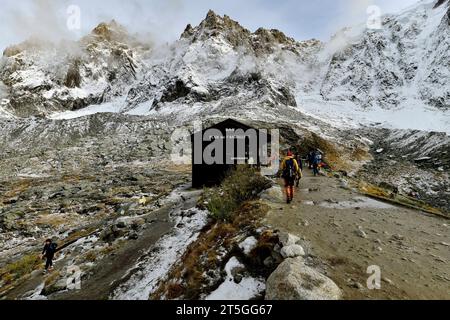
219	148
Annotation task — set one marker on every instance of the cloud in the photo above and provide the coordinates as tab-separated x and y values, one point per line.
165	20
43	19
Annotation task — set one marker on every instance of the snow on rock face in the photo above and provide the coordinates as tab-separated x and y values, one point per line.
261	42
215	61
397	76
406	60
4	101
43	78
220	62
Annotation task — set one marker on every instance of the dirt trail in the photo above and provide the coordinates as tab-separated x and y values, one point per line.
348	232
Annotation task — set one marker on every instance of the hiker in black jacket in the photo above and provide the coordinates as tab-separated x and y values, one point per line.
299	159
48	253
310	159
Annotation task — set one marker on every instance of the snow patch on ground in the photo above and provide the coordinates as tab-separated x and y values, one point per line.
4	113
247	289
346	114
10	244
248	244
358	202
142	109
36	294
111	107
86	243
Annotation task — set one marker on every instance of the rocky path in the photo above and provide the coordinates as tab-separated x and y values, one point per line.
344	233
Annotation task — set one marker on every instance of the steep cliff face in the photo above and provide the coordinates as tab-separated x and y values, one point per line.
407	60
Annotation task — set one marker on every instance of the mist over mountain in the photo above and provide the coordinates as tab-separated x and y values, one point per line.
402	66
90	128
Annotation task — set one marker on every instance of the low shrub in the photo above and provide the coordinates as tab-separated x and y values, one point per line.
242	184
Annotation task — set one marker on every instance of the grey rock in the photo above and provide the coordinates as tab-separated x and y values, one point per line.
133	236
238	274
111	233
361	233
121	224
343	184
293	280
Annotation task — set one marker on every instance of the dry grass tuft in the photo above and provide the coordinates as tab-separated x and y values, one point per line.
20	268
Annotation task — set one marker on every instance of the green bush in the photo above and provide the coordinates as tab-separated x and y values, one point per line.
241	185
220	206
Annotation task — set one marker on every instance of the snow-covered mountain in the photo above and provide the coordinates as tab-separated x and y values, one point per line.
399	74
406	61
41	78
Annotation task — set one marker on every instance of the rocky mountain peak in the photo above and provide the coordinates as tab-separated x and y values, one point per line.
214	26
274	36
12	51
212	17
261	42
111	31
215	21
188	31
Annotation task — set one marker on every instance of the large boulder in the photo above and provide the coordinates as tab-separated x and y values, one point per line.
293	280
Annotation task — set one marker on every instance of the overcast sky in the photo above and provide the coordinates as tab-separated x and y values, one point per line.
166	19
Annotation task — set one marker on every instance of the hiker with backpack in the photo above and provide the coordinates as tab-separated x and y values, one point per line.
299	160
316	163
289	171
49	253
